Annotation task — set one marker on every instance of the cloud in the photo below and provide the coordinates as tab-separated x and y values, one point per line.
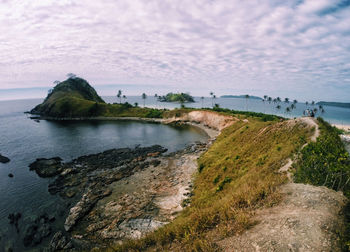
224	44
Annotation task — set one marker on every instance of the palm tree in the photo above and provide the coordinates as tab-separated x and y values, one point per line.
202	99
144	97
295	101
287	110
246	101
278	99
292	106
156	97
119	95
278	107
306	103
286	100
124	98
212	98
312	103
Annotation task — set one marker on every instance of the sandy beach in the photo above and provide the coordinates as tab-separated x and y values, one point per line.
343	127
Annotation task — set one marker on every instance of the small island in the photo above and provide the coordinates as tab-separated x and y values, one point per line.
242	96
176	97
334	104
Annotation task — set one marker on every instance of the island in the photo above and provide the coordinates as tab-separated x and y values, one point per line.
76	98
176	97
242	96
334	104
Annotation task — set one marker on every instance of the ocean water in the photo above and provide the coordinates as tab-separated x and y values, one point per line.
334	115
23	140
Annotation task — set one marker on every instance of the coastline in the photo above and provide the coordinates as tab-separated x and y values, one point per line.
342	127
212	133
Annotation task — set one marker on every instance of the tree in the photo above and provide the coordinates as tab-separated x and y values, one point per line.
144	97
124	98
212	98
136	104
295	101
278	107
202	99
56	82
292	106
286	100
119	95
71	76
287	110
246	101
156	97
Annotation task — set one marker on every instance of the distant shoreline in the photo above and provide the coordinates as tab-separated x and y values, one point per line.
342	126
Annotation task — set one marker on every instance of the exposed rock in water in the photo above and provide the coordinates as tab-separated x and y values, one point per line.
4	160
60	242
38	230
14	218
10	175
47	167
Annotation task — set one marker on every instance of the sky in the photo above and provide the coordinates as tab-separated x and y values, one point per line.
298	49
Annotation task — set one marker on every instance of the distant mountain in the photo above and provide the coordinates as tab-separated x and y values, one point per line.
241	96
334	104
72	96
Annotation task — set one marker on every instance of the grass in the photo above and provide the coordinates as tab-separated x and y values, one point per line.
238	174
327	163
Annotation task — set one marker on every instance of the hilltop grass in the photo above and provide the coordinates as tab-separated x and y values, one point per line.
326	161
238	174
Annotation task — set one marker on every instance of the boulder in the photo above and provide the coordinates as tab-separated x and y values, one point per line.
60	242
47	167
4	160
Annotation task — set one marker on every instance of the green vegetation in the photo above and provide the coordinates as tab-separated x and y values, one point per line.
178	97
326	161
229	186
74	97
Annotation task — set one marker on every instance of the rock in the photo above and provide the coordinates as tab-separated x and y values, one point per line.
4	160
10	175
38	230
47	167
14	218
60	242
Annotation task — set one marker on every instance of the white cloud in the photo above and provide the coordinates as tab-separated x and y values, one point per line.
260	45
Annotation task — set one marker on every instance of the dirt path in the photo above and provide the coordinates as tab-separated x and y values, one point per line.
308	218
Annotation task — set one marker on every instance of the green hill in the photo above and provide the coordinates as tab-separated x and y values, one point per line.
75	98
69	97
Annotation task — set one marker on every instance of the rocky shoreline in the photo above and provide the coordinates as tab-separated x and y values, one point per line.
117	194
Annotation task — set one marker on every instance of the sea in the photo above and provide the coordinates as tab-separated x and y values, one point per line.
23	140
